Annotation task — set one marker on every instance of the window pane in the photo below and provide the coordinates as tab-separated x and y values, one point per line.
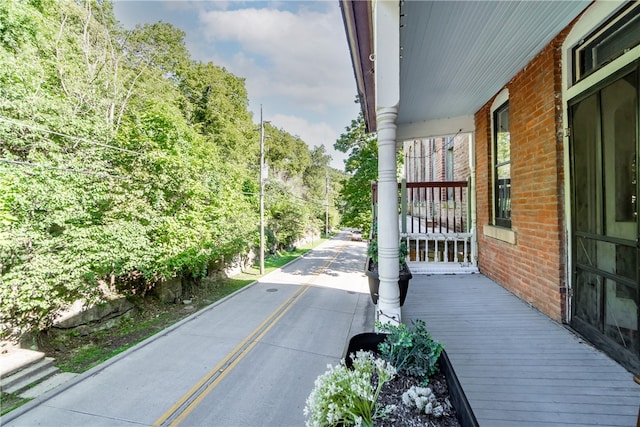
616	43
586	252
503	199
503	144
502	166
586	176
612	258
621	315
619	124
616	37
588	298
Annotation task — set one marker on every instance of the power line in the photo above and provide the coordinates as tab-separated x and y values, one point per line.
68	170
281	195
78	138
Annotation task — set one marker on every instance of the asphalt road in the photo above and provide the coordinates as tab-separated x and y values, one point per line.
248	360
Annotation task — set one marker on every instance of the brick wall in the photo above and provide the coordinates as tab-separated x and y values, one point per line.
418	159
534	267
461	158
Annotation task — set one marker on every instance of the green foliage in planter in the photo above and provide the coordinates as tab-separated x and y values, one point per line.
372	249
403	251
411	349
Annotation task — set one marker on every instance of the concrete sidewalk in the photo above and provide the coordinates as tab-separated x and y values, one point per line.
248	360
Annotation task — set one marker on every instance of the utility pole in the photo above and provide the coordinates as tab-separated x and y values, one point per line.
261	193
326	217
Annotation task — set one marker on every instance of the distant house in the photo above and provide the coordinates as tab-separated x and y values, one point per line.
548	94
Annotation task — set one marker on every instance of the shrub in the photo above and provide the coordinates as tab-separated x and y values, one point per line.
411	349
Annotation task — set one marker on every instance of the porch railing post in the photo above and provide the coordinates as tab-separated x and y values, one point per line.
403	205
471	196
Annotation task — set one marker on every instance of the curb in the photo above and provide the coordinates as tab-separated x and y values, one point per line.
16	413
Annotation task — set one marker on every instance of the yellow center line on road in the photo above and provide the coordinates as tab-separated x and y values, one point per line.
190	400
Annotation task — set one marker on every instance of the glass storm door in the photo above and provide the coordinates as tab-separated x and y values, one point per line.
604	153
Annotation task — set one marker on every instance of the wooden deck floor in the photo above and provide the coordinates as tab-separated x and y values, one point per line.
517	366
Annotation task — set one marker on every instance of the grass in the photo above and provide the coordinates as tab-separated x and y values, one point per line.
9	402
273	262
83	353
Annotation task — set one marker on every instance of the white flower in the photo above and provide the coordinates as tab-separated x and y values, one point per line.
438	411
423	391
428	409
421	402
423	399
341	395
405	398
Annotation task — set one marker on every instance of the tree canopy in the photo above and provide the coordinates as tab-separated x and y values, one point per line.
362	167
124	162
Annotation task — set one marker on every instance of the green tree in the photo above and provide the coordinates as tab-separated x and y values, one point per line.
217	105
286	153
124	162
362	167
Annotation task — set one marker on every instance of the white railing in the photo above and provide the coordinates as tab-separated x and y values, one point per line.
440	247
435	224
440	253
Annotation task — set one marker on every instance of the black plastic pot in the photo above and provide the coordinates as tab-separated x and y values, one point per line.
374	281
368	341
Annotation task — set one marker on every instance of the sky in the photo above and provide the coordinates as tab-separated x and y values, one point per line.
293	56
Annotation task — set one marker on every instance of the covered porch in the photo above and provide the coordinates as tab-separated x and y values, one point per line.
518	367
423	69
266	343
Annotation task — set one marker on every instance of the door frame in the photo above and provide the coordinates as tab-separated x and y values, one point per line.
614	349
592	18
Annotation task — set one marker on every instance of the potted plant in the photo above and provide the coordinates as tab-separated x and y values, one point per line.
399	377
371	268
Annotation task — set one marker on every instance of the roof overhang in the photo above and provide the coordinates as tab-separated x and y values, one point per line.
455	56
358	25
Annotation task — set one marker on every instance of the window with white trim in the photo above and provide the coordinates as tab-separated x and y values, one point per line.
502	166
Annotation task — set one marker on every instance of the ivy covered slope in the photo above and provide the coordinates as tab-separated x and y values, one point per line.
123	161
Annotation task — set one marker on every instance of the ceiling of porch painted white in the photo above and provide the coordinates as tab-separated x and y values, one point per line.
456	55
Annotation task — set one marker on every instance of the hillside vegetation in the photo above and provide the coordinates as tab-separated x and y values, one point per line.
124	162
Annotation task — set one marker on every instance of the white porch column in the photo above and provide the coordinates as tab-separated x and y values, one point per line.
388	234
387	74
471	197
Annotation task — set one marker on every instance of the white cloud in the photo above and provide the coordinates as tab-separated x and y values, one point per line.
298	55
313	133
292	55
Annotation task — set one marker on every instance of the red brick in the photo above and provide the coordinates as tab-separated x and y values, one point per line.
533	268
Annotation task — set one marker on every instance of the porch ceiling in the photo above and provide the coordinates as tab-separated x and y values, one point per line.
456	55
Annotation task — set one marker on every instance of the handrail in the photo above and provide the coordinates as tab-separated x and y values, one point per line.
434	220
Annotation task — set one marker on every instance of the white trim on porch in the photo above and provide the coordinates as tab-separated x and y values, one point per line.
387	83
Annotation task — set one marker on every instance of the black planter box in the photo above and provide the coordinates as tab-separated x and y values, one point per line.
368	341
374	282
